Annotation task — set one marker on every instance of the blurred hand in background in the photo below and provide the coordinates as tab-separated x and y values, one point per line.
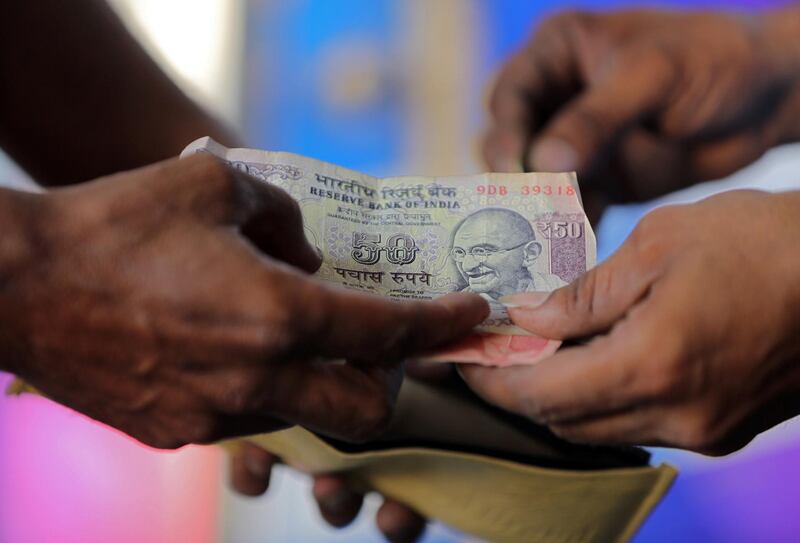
697	319
641	103
340	502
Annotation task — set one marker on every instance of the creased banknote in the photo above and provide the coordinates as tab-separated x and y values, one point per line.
422	237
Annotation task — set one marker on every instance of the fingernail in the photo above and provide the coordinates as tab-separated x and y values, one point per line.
256	465
554	155
524	300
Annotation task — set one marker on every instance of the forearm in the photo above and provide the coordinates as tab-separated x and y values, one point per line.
18	220
80	97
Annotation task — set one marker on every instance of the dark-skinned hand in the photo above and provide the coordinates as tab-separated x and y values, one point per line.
174	303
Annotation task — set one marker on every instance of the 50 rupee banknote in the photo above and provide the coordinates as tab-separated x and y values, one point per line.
421	237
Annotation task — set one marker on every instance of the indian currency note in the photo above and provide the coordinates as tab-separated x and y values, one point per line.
421	237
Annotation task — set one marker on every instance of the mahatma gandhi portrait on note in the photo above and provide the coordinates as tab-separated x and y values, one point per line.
495	251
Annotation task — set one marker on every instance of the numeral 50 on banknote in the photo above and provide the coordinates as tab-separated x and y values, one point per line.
399	248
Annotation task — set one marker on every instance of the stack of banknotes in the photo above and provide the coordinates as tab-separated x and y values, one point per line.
447	454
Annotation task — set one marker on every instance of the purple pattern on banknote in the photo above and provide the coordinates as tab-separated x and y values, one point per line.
430	250
565	232
338	243
265	172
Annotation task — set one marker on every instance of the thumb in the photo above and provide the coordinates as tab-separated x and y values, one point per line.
591	304
586	129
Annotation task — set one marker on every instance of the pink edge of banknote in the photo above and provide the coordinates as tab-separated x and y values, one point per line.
496	350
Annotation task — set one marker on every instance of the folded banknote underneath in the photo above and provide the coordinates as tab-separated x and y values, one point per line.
456	459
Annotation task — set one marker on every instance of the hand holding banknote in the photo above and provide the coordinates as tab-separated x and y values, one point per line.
175	304
698	316
425	237
641	103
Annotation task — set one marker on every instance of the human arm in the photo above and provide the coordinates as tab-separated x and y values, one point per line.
80	98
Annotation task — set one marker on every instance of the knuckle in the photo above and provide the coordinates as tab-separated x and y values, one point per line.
282	312
656	234
220	183
666	377
209	164
533	407
296	314
652	225
283	209
280	339
583	126
212	170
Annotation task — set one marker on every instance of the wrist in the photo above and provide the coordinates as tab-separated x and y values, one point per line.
19	224
779	33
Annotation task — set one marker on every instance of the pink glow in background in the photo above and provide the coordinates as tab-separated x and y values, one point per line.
67	479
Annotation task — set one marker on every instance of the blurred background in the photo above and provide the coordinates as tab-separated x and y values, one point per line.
389	88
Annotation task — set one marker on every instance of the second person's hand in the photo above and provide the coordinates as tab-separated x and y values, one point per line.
697	319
